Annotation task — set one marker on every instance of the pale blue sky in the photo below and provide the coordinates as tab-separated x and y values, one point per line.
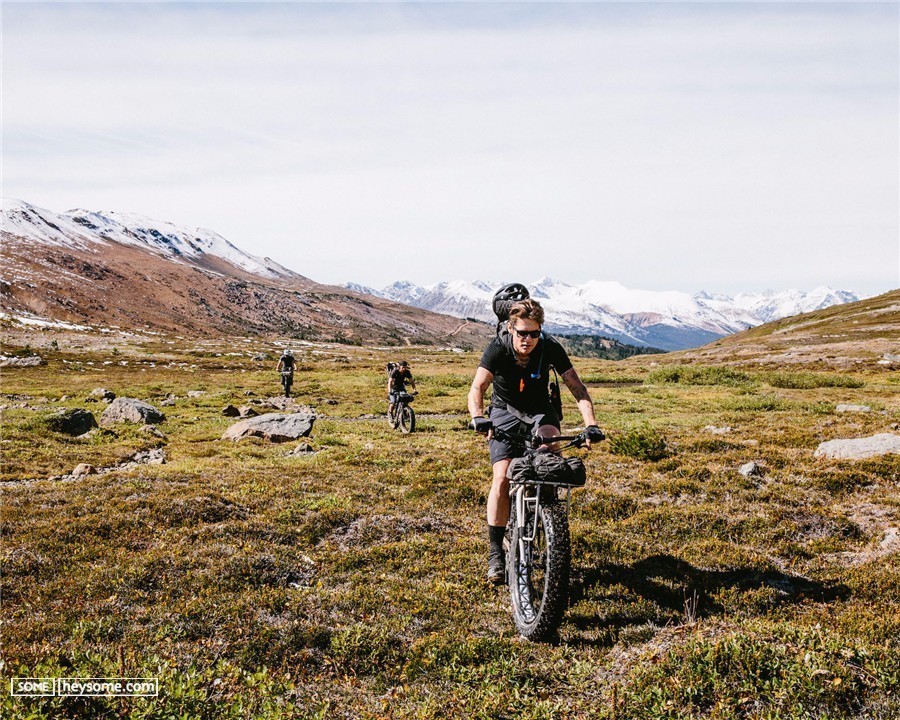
718	146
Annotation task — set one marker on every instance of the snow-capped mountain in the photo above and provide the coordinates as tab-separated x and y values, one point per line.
92	231
668	320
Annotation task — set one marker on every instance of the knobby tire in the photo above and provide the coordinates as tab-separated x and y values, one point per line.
407	419
539	585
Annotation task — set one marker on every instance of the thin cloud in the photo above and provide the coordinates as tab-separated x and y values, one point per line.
689	146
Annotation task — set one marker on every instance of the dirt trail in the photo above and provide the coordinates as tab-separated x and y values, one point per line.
465	322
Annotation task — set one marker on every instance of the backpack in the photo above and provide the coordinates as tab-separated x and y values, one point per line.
390	368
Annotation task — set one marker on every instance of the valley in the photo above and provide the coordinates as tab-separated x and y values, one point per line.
346	581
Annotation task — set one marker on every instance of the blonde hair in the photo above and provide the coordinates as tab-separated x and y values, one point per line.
527	310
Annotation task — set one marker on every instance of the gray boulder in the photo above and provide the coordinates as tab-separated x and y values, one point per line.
245	411
72	422
860	448
273	427
125	409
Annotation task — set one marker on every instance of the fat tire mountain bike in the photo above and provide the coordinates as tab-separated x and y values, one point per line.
537	544
403	415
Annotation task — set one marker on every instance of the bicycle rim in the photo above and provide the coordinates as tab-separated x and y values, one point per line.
538	572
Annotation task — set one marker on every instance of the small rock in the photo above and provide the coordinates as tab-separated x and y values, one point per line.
301	449
262	356
103	394
717	430
153	430
860	448
249	393
369	446
84	469
245	411
853	408
230	411
196	393
751	469
156	456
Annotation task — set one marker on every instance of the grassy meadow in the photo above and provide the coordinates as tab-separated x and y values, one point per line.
348	583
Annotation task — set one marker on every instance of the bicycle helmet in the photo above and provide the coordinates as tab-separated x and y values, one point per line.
506	296
288	353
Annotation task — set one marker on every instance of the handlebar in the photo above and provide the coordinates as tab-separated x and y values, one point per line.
534	441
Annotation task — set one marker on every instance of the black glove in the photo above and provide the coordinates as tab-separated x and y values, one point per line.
593	433
481	424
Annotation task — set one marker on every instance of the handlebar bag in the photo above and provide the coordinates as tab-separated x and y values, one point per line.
577	473
406	397
547	467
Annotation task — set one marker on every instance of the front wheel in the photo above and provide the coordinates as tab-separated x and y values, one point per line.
407	419
538	570
286	381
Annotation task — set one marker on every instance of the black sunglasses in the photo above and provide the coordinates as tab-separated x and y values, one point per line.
528	333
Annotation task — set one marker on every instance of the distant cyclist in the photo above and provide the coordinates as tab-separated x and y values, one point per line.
286	368
518	362
397	378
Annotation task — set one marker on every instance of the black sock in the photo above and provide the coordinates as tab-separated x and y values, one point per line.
495	536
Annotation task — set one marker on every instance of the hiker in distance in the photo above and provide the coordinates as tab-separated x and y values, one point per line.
518	361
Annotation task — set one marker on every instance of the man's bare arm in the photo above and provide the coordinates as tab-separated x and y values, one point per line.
581	394
480	384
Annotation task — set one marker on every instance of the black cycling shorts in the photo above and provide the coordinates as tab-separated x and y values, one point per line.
505	420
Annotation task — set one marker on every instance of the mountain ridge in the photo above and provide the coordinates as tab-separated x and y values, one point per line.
670	320
123	270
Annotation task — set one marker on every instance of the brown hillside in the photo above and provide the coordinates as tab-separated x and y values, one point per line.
131	288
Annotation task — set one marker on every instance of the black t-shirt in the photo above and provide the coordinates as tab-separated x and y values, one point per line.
400	376
287	363
525	388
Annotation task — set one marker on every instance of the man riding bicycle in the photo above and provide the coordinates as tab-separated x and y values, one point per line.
397	378
518	361
286	368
